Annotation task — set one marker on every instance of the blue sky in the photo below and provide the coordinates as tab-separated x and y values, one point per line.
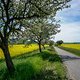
70	23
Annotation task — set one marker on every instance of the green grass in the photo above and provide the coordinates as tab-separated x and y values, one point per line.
72	50
35	66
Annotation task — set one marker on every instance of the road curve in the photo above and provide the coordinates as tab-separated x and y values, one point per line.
72	62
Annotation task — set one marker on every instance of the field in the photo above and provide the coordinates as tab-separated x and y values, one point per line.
46	65
16	50
73	48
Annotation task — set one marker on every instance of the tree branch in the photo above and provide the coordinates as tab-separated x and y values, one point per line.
39	8
23	17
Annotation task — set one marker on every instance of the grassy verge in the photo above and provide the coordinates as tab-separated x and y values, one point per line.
74	51
35	66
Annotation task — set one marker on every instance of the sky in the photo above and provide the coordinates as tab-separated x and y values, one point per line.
70	23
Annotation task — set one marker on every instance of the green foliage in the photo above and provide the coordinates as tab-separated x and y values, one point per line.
51	43
41	31
50	57
55	58
59	42
35	66
12	13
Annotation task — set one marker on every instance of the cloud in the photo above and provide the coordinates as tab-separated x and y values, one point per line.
70	22
69	32
70	14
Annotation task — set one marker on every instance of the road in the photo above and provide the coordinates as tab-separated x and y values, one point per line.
72	62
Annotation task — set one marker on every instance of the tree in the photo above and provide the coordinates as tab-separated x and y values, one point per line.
51	43
40	30
59	42
44	42
13	11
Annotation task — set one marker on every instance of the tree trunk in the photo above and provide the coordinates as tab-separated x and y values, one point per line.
8	59
40	47
43	46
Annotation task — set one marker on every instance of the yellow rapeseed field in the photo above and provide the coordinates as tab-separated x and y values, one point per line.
74	46
19	49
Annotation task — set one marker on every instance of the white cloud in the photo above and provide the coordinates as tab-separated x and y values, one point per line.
70	23
66	14
69	32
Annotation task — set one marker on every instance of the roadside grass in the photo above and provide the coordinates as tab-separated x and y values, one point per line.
72	50
46	65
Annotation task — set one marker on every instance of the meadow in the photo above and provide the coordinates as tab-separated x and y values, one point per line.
32	65
73	48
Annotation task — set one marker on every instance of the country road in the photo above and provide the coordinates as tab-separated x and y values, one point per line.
72	62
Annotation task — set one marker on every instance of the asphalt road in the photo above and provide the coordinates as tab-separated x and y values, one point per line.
72	62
